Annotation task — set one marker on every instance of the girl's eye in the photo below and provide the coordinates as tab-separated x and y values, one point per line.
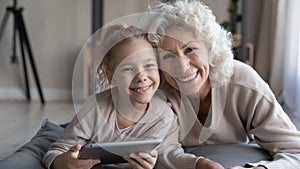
127	69
150	66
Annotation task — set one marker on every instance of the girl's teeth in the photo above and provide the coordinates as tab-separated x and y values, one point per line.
142	89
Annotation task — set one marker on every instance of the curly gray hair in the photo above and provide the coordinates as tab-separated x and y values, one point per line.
197	17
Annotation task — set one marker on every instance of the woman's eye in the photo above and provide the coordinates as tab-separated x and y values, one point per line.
189	49
169	56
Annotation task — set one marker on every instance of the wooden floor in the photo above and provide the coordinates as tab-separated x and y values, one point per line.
20	120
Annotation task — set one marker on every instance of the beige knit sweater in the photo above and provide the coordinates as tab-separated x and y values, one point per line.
96	122
241	110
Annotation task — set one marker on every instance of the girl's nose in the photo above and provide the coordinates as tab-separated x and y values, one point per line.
141	77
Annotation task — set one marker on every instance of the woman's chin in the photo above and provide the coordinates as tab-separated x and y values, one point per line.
189	92
189	89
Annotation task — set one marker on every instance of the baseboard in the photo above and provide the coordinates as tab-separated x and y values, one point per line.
48	93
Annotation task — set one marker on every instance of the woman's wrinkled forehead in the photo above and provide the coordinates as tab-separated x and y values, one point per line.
178	35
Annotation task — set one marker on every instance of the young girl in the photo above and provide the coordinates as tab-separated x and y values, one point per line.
131	110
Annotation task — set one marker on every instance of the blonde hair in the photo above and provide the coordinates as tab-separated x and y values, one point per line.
111	37
196	17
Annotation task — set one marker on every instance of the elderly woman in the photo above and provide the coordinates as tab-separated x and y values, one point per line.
218	100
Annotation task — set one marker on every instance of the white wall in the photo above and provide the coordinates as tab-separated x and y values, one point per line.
114	9
57	30
219	9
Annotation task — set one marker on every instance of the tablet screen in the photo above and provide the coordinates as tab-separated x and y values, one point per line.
113	152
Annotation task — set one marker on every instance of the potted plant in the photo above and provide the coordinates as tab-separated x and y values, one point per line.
231	26
235	17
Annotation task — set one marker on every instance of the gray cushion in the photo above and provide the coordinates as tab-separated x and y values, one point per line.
29	156
229	155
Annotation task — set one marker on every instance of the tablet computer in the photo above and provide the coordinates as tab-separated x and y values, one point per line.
113	152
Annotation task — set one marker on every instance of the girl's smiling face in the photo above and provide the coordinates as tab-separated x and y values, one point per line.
183	60
135	72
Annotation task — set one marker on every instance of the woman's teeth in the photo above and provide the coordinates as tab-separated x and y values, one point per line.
188	78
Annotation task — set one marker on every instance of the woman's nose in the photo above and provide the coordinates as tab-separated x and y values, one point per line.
183	62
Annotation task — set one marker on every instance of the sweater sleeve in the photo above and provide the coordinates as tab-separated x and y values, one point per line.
74	134
264	119
272	129
171	154
66	141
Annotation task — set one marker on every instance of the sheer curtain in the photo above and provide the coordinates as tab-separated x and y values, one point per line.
278	53
291	69
270	50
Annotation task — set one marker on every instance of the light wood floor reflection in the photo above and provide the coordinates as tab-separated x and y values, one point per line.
20	120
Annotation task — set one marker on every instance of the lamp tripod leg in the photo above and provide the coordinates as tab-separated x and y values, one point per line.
14	58
23	33
24	66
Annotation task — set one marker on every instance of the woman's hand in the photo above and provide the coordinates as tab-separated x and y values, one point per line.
142	160
207	164
69	160
239	167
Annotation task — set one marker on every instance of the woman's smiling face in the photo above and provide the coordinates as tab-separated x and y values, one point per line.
183	60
